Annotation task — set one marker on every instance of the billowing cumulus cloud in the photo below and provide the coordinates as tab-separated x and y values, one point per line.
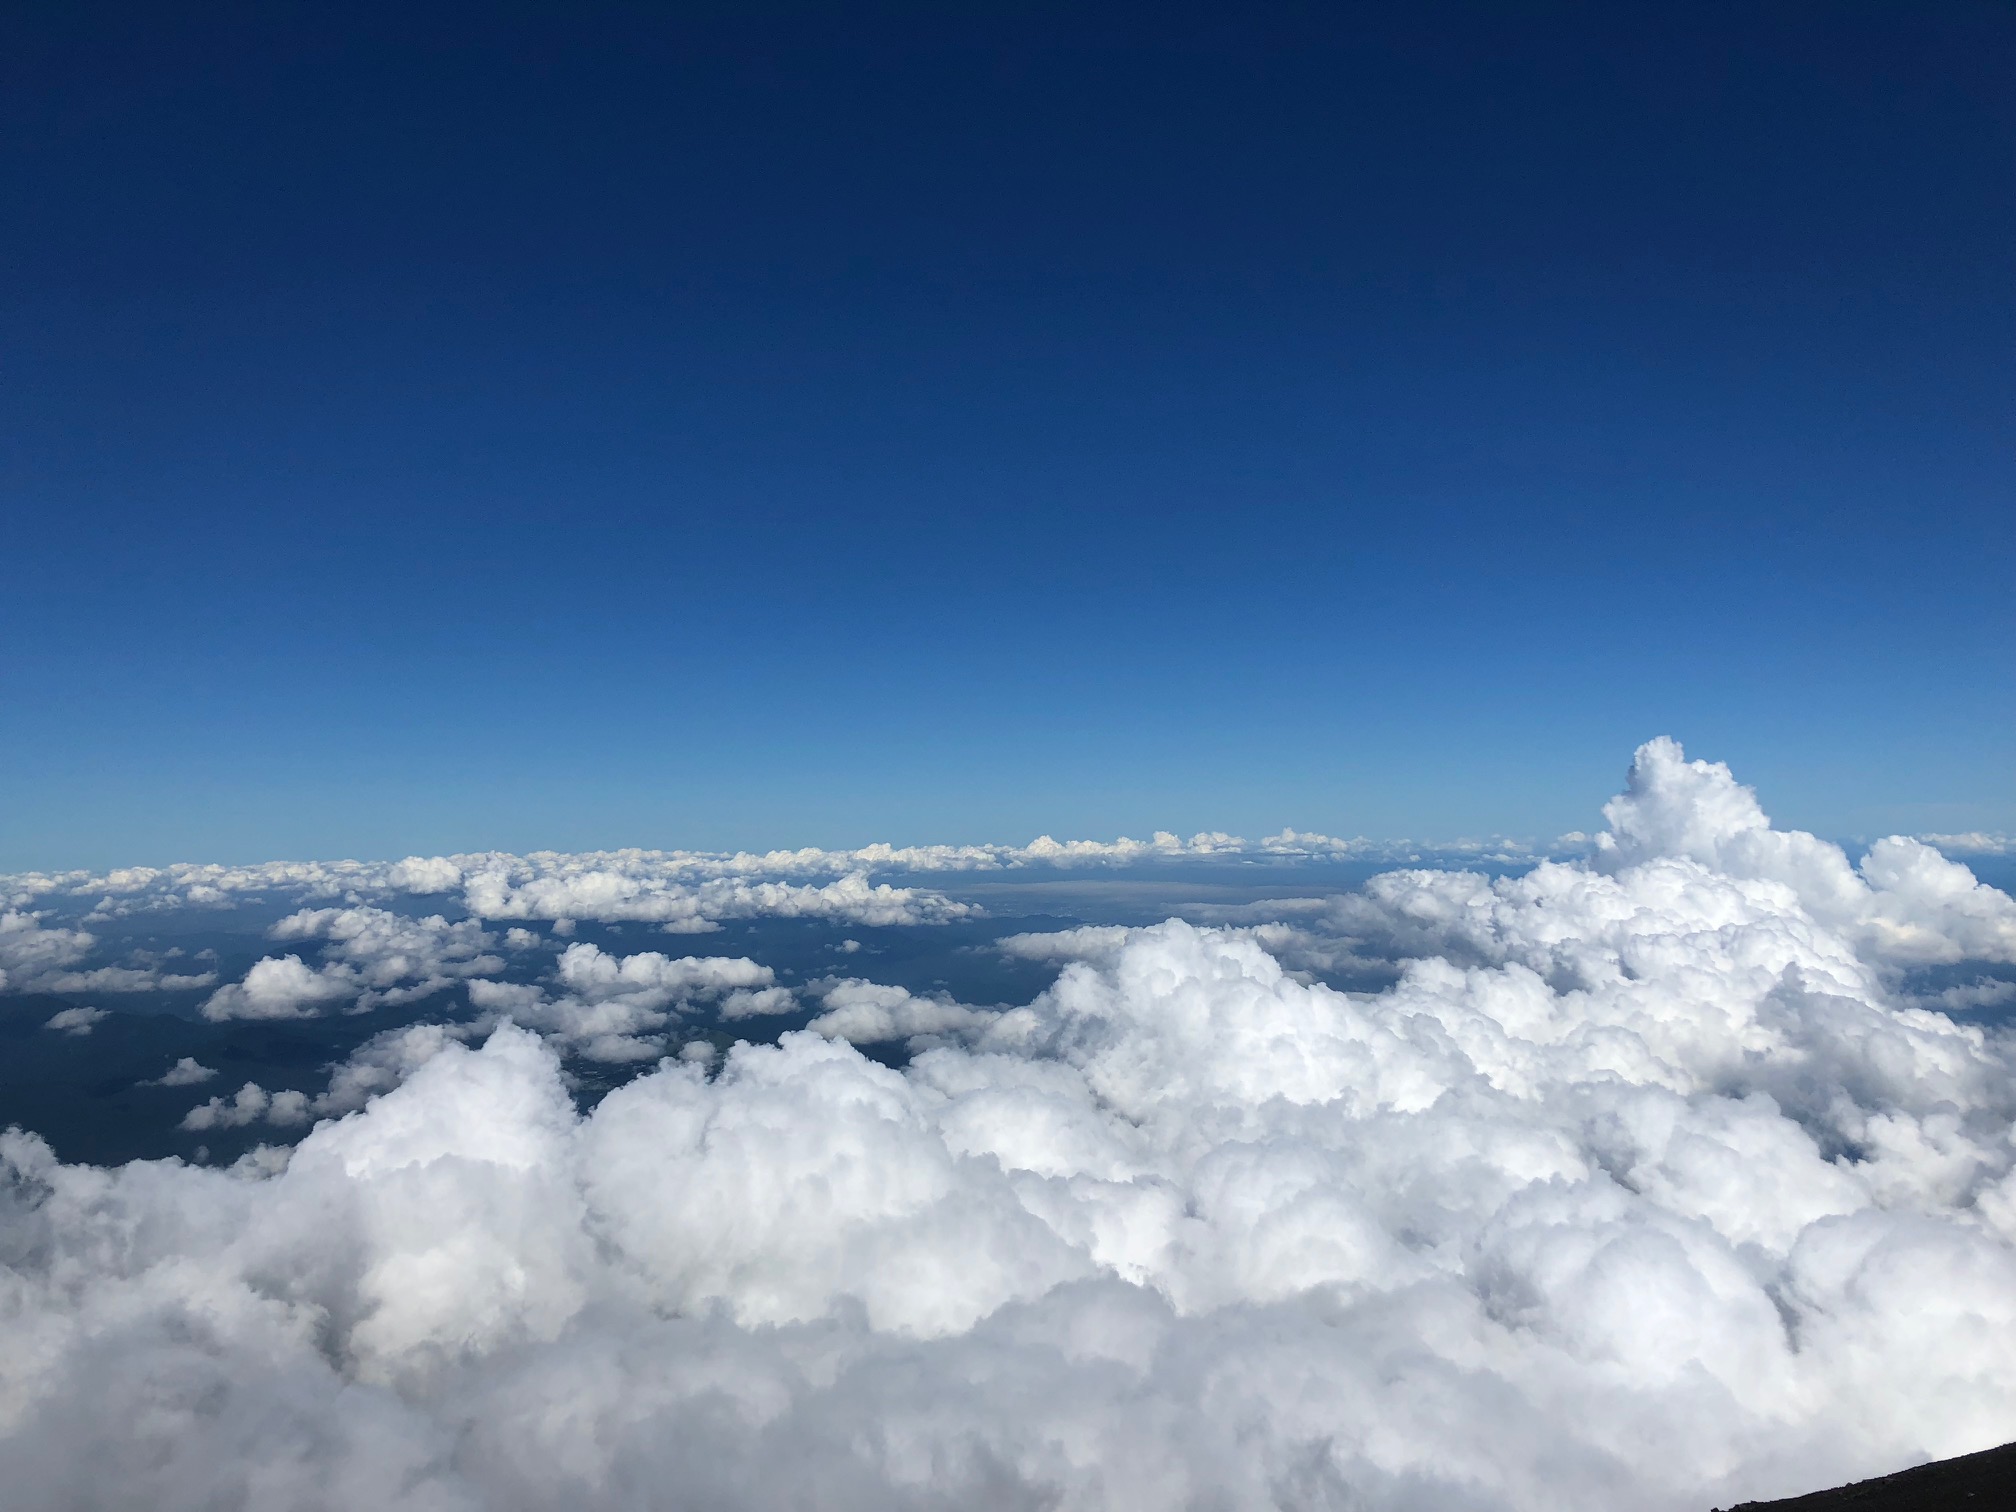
867	1013
252	1103
383	1062
371	957
1641	1185
1686	839
396	959
1905	901
281	987
611	1008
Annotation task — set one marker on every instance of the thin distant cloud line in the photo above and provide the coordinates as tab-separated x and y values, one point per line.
212	882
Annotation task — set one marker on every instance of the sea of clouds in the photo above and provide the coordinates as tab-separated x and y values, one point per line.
1651	1181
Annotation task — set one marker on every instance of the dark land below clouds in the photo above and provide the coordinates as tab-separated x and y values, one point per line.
1978	1482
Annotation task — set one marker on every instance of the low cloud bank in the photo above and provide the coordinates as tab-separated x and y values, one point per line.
688	891
1641	1186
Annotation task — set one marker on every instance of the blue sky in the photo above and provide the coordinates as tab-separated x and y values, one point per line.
438	427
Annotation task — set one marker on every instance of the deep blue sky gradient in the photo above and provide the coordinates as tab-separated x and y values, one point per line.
435	427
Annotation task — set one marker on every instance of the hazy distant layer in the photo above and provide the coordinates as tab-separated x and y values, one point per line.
1671	1174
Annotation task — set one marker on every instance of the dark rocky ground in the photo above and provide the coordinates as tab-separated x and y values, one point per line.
1977	1482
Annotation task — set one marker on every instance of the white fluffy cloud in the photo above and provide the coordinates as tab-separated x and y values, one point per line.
1688	843
383	1062
186	1072
607	892
372	957
1969	997
867	1013
35	957
690	891
29	951
396	959
1641	1186
281	987
122	979
76	1021
251	1103
612	1008
1905	902
1973	843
